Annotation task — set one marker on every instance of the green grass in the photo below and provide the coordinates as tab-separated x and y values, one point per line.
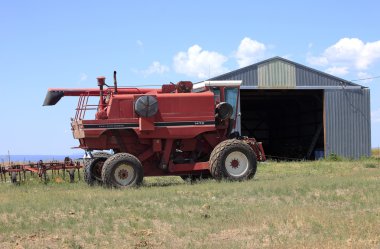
322	204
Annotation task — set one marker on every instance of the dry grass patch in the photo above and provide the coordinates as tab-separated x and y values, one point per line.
320	204
375	152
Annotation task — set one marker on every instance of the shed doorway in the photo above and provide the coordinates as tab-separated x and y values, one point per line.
288	122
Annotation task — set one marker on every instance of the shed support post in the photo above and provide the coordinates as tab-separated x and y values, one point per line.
314	141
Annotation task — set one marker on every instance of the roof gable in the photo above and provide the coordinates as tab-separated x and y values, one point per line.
278	72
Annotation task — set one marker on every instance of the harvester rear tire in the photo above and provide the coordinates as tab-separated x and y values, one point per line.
234	160
92	172
122	170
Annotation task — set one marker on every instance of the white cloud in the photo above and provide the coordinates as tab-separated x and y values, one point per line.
337	70
317	61
364	77
375	116
349	52
199	63
83	77
287	56
249	51
155	68
139	43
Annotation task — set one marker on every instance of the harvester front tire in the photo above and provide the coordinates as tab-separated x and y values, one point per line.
234	160
122	170
92	172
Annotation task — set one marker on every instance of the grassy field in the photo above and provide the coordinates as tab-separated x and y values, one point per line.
323	204
376	152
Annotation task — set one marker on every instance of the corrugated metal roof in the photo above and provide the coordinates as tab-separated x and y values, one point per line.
305	76
248	75
347	122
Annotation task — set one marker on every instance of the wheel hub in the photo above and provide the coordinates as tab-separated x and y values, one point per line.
123	174
235	163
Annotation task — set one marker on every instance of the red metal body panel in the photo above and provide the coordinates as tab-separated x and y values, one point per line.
189	167
176	136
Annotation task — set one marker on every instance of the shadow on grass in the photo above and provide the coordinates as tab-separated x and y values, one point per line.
167	181
161	184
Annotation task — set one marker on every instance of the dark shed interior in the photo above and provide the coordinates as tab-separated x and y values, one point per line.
288	122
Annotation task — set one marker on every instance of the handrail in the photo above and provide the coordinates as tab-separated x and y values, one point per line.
83	106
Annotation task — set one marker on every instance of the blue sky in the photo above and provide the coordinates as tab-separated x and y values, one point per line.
69	43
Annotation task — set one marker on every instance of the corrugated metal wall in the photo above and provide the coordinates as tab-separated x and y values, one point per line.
307	77
276	74
347	122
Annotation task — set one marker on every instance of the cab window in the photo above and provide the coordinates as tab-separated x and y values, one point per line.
216	91
231	95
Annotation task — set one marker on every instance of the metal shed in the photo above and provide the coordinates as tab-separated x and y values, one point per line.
299	112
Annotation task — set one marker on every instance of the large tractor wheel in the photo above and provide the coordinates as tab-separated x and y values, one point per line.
93	167
233	159
122	170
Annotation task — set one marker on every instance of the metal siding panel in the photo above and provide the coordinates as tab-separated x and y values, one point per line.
348	126
247	75
306	77
276	74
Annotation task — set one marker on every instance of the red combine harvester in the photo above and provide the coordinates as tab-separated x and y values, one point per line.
181	129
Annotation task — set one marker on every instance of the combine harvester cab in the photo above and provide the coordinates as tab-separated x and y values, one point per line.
181	129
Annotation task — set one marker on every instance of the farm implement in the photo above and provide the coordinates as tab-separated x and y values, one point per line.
18	172
184	129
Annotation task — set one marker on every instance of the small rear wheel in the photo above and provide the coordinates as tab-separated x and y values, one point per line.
233	159
122	170
93	167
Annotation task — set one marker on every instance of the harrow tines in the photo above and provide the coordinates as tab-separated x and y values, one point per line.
18	172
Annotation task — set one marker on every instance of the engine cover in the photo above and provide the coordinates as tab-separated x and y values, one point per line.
146	106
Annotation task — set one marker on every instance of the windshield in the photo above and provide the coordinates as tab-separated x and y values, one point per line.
231	95
216	92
